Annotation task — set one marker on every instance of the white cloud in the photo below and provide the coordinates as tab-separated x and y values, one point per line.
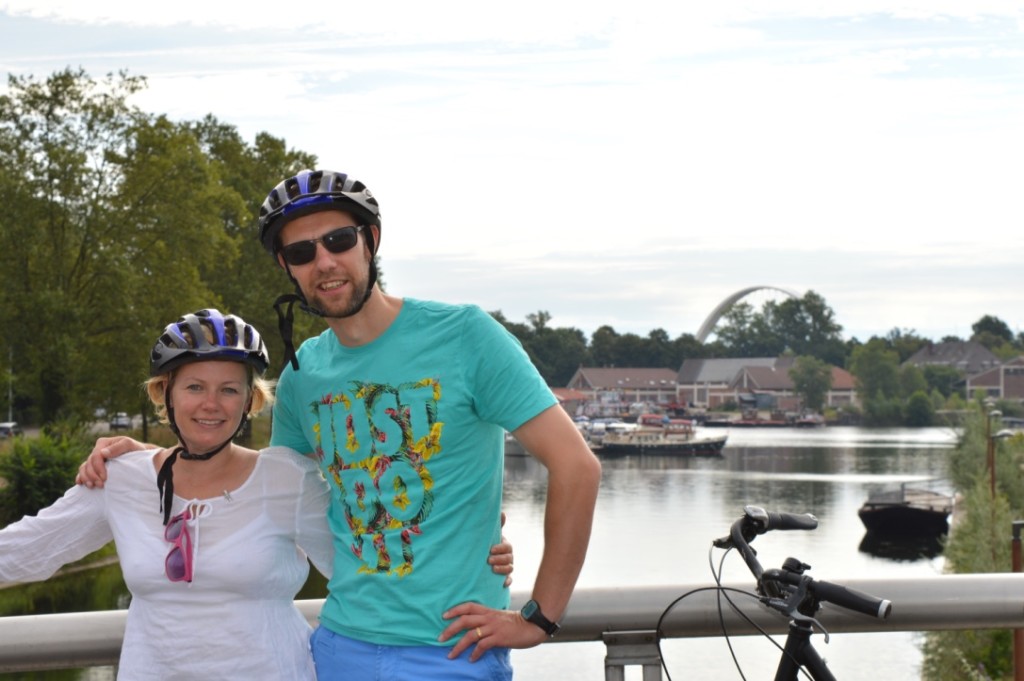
625	163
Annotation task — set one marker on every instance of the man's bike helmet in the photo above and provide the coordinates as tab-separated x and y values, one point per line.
311	191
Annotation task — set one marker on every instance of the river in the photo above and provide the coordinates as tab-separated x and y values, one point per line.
656	517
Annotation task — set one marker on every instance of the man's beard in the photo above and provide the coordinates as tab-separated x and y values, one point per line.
345	308
352	306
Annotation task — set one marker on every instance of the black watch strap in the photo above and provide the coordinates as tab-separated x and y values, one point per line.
531	613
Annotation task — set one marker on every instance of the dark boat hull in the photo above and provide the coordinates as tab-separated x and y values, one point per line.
704	447
907	511
901	519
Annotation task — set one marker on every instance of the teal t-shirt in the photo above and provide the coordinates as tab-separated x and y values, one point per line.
409	432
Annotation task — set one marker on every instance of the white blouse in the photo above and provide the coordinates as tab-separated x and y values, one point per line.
237	619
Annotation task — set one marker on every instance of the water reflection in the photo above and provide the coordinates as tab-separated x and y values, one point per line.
902	548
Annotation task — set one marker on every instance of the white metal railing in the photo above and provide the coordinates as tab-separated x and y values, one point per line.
625	619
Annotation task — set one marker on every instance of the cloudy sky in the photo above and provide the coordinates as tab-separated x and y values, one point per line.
629	164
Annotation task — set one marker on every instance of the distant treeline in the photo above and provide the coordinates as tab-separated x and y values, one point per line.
800	327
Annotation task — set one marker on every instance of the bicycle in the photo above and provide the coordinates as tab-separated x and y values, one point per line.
788	590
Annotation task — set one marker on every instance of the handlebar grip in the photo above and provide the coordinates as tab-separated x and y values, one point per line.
791	521
853	599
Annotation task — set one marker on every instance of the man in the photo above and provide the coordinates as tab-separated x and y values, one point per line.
404	403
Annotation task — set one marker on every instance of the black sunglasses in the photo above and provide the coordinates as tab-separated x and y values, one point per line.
336	241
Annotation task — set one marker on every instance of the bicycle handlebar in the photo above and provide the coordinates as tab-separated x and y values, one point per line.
838	594
755	521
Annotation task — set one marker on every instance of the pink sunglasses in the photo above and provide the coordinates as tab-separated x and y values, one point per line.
178	564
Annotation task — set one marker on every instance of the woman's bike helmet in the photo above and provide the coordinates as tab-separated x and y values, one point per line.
186	341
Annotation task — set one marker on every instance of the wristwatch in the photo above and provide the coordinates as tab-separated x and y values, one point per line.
531	613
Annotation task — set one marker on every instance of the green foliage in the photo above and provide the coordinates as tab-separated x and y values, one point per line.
812	379
942	377
74	589
911	380
956	402
104	208
807	327
919	412
904	342
746	333
37	472
980	655
876	369
883	412
559	352
993	326
804	326
979	543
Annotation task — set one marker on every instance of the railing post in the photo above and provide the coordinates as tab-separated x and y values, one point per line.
631	647
1018	634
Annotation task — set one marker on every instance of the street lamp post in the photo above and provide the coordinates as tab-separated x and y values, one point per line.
10	384
990	444
1001	435
1018	634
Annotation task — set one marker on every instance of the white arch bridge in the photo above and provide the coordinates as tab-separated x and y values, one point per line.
709	324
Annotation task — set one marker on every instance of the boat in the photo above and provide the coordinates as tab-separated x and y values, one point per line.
676	437
907	511
809	420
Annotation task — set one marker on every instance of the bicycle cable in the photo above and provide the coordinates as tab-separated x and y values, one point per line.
721	592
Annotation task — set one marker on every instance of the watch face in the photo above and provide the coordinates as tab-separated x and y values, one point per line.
529	609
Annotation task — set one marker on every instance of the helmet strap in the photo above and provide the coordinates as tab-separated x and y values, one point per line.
286	321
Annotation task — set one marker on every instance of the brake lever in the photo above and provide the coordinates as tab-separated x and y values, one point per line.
790	606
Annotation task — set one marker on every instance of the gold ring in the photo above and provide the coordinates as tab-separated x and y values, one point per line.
479	634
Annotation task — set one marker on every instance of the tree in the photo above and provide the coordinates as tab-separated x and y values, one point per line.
995	335
685	347
911	380
557	353
104	205
941	377
117	222
745	333
37	472
561	352
249	171
800	326
920	411
812	379
876	370
658	352
905	342
994	326
806	326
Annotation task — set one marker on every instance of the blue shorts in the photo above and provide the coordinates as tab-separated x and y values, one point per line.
339	658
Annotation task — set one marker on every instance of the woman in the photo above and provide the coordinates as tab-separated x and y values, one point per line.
214	560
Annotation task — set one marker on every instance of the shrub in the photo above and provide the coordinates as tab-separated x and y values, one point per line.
37	472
